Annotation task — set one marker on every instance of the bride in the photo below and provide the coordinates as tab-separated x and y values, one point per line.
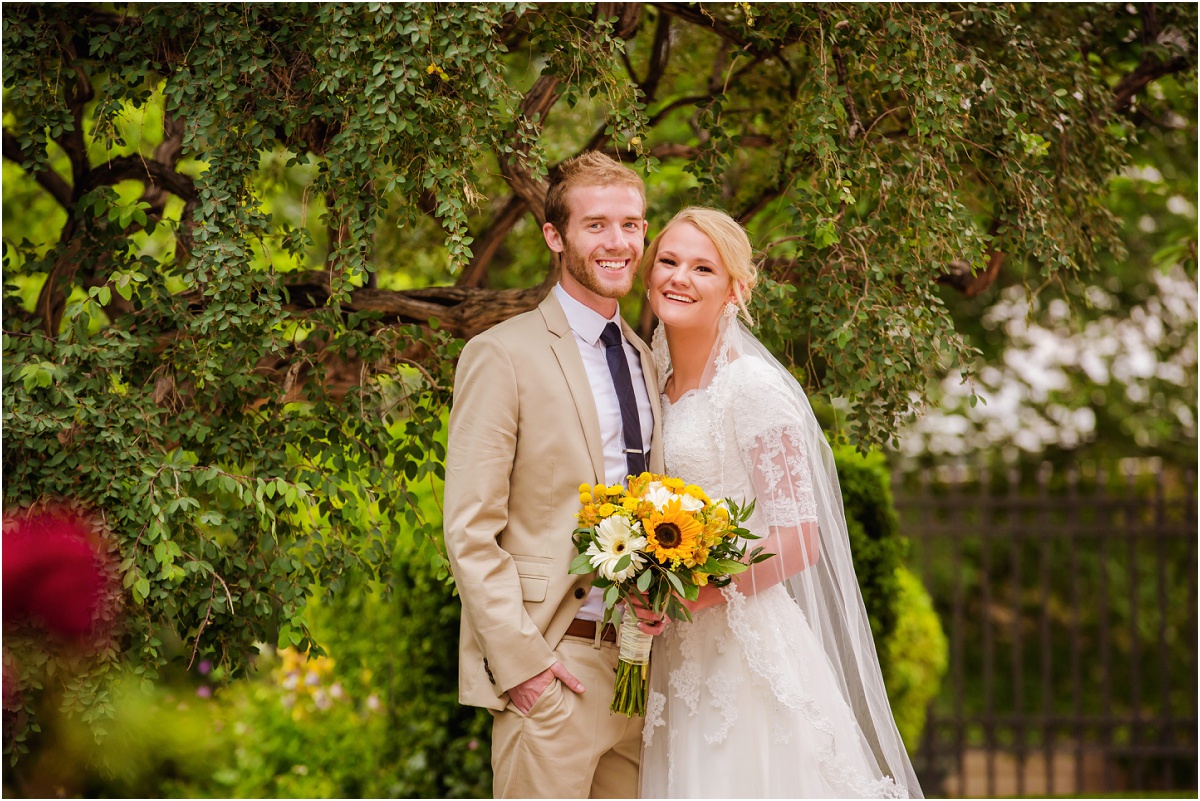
774	689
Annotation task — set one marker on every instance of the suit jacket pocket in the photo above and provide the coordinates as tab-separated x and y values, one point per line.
534	572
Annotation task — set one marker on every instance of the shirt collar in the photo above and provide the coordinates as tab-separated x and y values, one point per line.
585	322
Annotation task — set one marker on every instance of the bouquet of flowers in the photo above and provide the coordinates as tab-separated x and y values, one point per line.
656	544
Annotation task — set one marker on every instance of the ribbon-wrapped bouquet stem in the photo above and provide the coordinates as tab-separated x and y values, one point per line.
655	544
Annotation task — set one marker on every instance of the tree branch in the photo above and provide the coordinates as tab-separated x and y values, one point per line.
695	14
629	16
960	277
167	154
660	52
1151	67
537	102
489	242
856	126
463	311
1147	72
46	177
759	203
137	168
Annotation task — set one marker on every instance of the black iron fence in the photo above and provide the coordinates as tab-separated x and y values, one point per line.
1069	601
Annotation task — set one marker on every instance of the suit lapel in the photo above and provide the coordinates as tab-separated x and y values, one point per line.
566	350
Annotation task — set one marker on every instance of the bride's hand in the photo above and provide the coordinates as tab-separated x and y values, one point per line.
649	622
709	596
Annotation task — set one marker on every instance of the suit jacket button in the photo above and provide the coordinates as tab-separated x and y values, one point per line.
580	592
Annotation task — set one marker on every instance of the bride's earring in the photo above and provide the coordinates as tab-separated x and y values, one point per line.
731	310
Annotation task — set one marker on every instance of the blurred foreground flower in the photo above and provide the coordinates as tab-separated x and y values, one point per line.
56	574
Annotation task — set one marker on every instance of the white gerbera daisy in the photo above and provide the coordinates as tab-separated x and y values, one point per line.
658	495
616	537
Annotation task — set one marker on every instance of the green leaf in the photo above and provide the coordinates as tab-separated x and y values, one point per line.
644	579
580	565
676	584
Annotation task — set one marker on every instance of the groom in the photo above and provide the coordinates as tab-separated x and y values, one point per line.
557	397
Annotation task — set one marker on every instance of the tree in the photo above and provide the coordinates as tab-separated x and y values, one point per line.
1105	369
243	242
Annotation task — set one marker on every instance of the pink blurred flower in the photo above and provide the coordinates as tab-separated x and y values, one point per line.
204	691
53	572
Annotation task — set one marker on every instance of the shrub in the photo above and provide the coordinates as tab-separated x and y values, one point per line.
917	655
912	647
875	540
392	728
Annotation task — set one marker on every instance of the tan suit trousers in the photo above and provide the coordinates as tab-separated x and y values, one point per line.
569	745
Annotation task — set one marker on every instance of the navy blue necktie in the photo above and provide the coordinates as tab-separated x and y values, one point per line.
614	352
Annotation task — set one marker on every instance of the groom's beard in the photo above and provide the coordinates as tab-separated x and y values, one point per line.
575	264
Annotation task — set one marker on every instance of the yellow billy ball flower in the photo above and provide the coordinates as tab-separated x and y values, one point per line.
585	488
585	497
675	484
630	504
607	510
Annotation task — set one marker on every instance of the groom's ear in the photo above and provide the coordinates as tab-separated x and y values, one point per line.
552	237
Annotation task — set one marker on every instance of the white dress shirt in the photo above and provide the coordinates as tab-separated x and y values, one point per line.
587	325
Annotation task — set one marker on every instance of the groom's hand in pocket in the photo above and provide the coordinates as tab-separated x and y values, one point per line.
525	694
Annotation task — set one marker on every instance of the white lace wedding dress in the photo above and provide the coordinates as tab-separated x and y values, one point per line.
745	701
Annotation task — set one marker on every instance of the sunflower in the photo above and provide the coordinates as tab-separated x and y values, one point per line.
672	533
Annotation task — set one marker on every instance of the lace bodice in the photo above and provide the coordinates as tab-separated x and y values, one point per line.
688	447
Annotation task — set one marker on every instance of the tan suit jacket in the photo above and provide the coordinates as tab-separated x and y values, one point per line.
524	434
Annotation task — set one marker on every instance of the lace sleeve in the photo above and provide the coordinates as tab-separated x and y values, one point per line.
770	435
781	476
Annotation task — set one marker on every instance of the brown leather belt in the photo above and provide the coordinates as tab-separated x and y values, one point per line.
587	630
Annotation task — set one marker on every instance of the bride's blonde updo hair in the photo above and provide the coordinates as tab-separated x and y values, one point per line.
730	240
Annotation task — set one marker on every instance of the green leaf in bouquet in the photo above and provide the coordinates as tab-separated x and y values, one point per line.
623	563
691	591
660	596
676	584
643	581
731	566
744	512
677	611
580	565
611	595
758	555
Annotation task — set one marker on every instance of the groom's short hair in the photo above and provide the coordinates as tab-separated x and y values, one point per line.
592	168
